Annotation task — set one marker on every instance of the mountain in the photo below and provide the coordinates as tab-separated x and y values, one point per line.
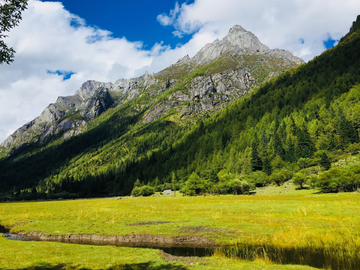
239	55
220	122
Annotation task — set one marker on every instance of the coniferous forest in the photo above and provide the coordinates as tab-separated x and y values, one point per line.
302	125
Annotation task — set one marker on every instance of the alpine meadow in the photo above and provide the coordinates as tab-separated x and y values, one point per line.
259	151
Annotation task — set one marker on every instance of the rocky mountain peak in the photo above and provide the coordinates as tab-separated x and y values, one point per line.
237	28
239	42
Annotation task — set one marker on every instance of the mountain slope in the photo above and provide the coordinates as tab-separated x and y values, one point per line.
240	51
172	123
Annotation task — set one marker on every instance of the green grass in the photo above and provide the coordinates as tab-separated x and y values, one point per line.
46	255
276	216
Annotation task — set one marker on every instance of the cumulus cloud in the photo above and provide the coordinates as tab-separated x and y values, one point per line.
165	19
299	26
56	51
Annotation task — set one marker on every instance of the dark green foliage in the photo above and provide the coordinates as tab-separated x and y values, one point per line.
10	16
267	166
193	186
325	161
279	150
288	112
256	162
304	147
346	129
143	191
213	177
278	177
299	179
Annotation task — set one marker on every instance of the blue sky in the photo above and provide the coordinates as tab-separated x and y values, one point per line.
61	44
134	19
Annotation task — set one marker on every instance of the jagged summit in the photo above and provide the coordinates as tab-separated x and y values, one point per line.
240	41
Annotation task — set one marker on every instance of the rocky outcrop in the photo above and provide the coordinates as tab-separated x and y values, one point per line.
98	103
240	42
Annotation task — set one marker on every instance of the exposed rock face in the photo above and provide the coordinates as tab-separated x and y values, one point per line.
241	42
88	88
97	104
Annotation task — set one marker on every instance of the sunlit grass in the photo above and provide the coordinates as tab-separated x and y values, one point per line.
292	219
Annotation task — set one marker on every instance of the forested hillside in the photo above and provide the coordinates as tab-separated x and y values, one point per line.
302	125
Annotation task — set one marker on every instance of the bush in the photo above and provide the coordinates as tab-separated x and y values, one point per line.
143	191
258	179
136	191
193	186
299	179
147	191
278	177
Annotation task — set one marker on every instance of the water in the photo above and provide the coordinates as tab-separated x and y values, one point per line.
189	251
16	237
315	257
3	229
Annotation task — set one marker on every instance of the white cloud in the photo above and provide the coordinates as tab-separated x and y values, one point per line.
277	23
165	20
50	42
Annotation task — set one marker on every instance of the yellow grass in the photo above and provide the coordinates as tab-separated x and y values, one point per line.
294	219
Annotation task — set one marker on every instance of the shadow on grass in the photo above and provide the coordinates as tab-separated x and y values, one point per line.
135	266
302	188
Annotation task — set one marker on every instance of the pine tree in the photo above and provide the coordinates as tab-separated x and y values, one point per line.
256	162
325	161
279	150
213	177
290	152
264	139
346	129
305	147
267	166
293	126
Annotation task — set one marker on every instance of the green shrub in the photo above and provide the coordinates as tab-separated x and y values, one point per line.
299	179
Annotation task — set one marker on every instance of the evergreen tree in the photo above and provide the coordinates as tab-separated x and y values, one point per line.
256	163
279	150
137	183
346	129
267	166
325	161
305	147
213	177
290	152
264	139
293	126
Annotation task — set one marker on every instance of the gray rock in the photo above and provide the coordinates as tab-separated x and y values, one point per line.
167	192
97	104
240	42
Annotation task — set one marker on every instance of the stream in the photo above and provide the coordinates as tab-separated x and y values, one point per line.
314	257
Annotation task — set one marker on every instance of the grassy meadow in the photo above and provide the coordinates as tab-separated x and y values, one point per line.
279	217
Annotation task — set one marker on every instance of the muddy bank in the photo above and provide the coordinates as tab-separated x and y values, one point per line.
137	240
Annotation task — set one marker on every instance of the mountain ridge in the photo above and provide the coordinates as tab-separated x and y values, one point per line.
206	130
237	42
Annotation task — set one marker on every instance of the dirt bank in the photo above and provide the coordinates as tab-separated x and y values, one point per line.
136	240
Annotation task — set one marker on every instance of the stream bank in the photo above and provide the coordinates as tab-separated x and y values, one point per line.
199	246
